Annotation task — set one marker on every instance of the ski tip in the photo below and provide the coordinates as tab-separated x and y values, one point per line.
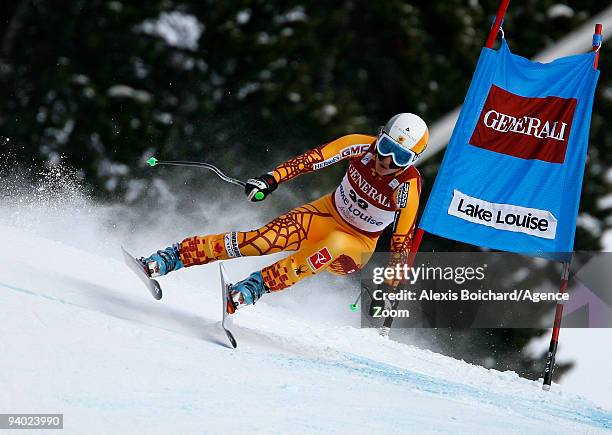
140	270
152	161
157	293
231	338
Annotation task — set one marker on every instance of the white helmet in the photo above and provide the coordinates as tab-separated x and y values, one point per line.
409	130
403	138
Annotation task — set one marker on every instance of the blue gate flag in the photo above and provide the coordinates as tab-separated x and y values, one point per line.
512	174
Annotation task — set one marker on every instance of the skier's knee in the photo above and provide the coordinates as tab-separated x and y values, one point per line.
338	241
345	252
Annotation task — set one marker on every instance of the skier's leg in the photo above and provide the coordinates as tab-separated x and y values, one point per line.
287	232
339	252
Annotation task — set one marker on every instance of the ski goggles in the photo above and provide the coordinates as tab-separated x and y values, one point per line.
401	156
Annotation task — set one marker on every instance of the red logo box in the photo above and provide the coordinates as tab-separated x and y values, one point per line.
527	128
319	259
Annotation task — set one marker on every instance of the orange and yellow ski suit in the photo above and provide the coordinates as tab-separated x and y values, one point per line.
337	232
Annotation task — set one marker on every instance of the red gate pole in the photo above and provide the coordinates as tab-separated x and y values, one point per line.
418	235
416	243
597	41
554	340
501	12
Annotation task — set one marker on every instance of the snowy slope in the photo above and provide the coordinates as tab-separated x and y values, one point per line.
81	336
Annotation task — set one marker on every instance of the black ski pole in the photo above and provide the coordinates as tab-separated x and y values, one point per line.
154	162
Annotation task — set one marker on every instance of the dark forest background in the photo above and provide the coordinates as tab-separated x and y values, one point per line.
100	86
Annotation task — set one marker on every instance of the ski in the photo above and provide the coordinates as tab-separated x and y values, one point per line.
227	320
139	270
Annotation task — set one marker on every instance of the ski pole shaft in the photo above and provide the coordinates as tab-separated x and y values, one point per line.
154	162
355	305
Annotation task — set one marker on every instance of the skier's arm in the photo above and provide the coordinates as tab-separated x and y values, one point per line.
352	145
325	155
407	200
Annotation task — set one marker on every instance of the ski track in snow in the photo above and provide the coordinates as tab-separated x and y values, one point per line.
82	336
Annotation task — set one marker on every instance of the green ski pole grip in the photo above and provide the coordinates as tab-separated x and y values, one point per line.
152	161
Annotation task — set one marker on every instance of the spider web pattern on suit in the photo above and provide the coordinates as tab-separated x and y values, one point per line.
286	232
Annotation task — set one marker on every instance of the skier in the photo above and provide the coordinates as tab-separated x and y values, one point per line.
337	232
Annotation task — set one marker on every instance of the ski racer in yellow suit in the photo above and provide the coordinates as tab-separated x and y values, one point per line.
337	232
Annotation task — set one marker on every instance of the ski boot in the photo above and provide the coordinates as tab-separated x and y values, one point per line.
246	292
162	262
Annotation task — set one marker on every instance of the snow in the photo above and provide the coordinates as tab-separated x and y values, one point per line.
329	110
294	97
587	348
115	6
294	15
589	223
83	337
605	202
248	89
61	135
107	167
124	91
560	10
175	28
243	16
163	117
264	38
80	79
607	240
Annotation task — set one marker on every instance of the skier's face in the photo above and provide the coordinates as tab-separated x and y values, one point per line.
385	166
